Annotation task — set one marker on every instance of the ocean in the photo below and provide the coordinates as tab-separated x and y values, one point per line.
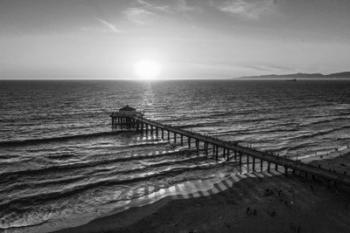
60	165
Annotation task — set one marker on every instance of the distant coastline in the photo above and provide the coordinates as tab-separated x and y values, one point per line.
296	76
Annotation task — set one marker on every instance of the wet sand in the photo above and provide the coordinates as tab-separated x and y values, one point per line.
255	204
340	164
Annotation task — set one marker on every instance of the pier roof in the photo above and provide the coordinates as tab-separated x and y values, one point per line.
127	108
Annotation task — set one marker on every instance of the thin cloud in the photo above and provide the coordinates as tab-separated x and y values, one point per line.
144	3
183	5
251	9
111	27
267	68
138	15
152	6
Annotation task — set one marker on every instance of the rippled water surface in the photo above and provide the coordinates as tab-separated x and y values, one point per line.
85	172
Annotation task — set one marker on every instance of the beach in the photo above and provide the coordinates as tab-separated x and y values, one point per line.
273	203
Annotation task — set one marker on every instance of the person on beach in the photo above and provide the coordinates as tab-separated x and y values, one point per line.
299	229
248	211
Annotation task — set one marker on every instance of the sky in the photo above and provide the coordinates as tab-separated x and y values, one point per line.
98	39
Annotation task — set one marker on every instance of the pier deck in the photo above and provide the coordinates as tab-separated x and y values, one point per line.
229	150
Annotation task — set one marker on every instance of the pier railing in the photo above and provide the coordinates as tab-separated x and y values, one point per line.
229	150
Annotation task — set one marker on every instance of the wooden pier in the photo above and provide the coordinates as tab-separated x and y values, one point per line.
128	118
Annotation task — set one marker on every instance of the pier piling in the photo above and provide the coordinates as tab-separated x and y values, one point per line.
127	118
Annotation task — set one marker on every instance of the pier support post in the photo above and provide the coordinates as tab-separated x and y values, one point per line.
162	133
189	142
157	129
168	132
206	149
182	140
228	155
261	165
175	136
253	164
152	131
216	152
235	154
268	167
136	125
197	146
247	162
276	166
240	159
146	125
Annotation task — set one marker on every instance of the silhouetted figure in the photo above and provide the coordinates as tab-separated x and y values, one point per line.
273	213
312	188
299	229
254	212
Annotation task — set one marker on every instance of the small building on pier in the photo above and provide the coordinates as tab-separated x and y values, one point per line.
123	118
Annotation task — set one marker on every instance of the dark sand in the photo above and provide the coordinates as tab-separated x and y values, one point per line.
340	164
293	205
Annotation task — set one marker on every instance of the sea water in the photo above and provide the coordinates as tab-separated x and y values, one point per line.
60	165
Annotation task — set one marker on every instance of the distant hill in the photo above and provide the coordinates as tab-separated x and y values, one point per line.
339	75
342	75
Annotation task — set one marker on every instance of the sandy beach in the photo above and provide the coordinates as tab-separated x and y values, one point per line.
255	204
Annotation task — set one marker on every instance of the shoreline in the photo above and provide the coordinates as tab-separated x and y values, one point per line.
289	203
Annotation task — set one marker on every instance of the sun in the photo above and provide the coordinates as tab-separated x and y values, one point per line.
147	69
